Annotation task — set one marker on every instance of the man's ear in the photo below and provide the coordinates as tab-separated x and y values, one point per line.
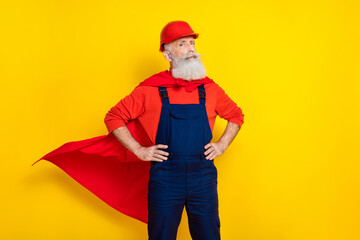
167	56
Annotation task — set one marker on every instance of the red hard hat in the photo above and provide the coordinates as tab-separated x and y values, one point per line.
174	30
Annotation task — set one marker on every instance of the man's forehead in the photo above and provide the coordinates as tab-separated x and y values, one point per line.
186	38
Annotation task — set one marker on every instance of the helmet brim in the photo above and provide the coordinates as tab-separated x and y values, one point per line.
195	35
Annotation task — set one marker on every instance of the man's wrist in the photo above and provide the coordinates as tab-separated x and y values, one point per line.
223	144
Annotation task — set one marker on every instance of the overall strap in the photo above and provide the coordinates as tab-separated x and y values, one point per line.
202	94
164	95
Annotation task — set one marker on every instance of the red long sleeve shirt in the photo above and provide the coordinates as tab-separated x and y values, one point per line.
144	104
108	169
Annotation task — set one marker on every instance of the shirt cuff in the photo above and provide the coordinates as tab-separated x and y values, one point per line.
111	126
237	121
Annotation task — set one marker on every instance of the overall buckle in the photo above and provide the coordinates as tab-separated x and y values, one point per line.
163	93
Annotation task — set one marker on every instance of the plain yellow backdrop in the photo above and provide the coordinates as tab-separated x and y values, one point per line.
292	173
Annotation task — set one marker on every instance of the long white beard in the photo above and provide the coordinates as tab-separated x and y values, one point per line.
188	68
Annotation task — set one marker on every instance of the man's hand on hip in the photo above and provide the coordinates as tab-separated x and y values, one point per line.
214	150
152	153
219	147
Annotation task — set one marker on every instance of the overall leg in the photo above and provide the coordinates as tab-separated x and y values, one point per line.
202	201
164	221
166	200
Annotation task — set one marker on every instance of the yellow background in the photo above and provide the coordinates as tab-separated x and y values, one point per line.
292	173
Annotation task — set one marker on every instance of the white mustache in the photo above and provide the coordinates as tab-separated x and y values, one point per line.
189	55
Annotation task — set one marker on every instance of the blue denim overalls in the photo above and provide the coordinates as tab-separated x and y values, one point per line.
186	178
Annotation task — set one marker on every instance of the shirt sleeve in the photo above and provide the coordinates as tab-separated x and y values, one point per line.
130	107
227	108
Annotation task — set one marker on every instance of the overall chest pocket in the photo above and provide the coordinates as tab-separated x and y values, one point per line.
185	112
186	129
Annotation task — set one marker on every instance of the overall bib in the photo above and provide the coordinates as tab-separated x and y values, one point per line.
186	178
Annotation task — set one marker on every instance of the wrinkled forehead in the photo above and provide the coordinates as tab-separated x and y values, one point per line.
184	39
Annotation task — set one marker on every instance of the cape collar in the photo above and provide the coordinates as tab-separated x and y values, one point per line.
164	79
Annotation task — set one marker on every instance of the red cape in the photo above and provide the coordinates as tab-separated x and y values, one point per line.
110	171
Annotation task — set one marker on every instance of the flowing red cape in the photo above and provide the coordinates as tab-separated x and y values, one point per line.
110	171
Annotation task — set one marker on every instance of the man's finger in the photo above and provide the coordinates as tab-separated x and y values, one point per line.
156	159
162	146
158	156
161	153
207	145
209	151
211	156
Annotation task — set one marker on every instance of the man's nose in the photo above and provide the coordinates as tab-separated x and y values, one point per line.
191	48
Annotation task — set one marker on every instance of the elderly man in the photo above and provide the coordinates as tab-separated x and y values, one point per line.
167	120
177	109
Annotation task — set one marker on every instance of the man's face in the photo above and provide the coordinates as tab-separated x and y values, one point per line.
185	62
182	46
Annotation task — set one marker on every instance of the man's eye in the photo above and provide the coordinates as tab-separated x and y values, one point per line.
181	44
